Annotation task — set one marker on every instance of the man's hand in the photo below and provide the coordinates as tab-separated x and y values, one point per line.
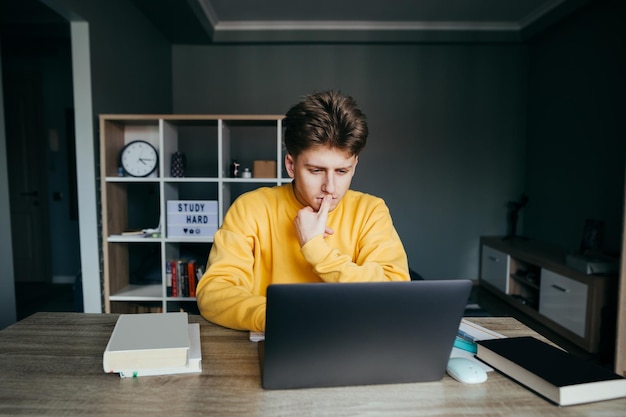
310	223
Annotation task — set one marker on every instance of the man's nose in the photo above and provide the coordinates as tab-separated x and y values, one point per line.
329	184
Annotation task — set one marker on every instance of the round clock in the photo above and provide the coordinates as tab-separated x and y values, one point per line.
139	158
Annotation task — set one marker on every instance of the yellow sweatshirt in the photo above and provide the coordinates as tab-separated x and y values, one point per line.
257	245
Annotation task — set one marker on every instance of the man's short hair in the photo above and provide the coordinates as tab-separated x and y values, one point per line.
328	119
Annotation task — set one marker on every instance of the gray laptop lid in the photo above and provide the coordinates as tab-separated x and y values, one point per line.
325	335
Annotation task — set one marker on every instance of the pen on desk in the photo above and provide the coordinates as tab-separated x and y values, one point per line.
466	336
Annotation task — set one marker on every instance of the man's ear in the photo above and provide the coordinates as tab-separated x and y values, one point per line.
290	165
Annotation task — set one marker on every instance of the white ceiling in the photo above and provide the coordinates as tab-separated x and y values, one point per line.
226	21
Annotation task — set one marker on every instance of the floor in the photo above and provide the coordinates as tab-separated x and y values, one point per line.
34	297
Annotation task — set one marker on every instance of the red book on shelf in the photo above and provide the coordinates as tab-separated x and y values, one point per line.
191	277
174	279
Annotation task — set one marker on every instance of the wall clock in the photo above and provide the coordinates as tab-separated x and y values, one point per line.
139	158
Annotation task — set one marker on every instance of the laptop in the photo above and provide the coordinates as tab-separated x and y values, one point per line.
341	334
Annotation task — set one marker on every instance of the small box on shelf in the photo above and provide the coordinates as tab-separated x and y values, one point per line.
264	169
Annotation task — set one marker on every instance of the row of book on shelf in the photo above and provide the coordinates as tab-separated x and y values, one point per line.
182	276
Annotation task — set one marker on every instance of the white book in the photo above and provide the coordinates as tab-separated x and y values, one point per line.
194	365
147	341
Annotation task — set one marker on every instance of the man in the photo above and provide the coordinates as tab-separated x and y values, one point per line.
314	229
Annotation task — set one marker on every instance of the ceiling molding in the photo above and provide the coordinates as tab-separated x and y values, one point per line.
363	25
295	30
355	31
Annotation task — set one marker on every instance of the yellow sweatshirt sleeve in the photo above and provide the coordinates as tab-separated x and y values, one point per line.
227	293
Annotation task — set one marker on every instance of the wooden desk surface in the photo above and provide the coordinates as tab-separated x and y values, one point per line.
51	364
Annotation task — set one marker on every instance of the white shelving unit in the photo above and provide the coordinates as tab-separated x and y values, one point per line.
134	275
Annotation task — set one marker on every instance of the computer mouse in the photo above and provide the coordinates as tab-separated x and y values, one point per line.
466	371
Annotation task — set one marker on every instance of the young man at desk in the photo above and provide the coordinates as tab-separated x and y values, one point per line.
314	229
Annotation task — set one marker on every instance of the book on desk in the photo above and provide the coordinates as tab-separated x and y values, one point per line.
551	372
153	344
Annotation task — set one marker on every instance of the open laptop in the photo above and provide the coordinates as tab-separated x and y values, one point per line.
339	334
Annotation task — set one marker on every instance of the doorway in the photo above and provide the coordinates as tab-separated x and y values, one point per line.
38	97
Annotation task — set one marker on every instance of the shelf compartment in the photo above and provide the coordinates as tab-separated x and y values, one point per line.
524	279
130	206
180	254
120	132
197	141
524	282
125	266
247	141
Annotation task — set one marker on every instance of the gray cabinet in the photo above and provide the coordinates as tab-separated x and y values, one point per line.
534	278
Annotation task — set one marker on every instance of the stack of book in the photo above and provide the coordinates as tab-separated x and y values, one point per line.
153	344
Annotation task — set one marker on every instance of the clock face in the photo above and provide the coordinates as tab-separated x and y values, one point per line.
139	158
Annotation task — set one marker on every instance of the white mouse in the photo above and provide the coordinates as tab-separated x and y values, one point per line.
466	371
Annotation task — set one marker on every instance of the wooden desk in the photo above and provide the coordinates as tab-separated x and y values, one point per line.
51	364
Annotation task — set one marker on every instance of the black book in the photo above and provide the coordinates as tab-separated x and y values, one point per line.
553	373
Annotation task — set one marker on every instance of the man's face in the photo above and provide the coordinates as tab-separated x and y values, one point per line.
320	171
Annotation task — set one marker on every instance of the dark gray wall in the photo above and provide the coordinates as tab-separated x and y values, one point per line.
447	127
576	125
130	58
449	123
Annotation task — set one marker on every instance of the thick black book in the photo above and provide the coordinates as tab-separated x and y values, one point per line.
553	373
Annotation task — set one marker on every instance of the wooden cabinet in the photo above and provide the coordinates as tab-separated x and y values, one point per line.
135	273
534	278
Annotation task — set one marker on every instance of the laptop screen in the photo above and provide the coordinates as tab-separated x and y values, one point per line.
323	335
